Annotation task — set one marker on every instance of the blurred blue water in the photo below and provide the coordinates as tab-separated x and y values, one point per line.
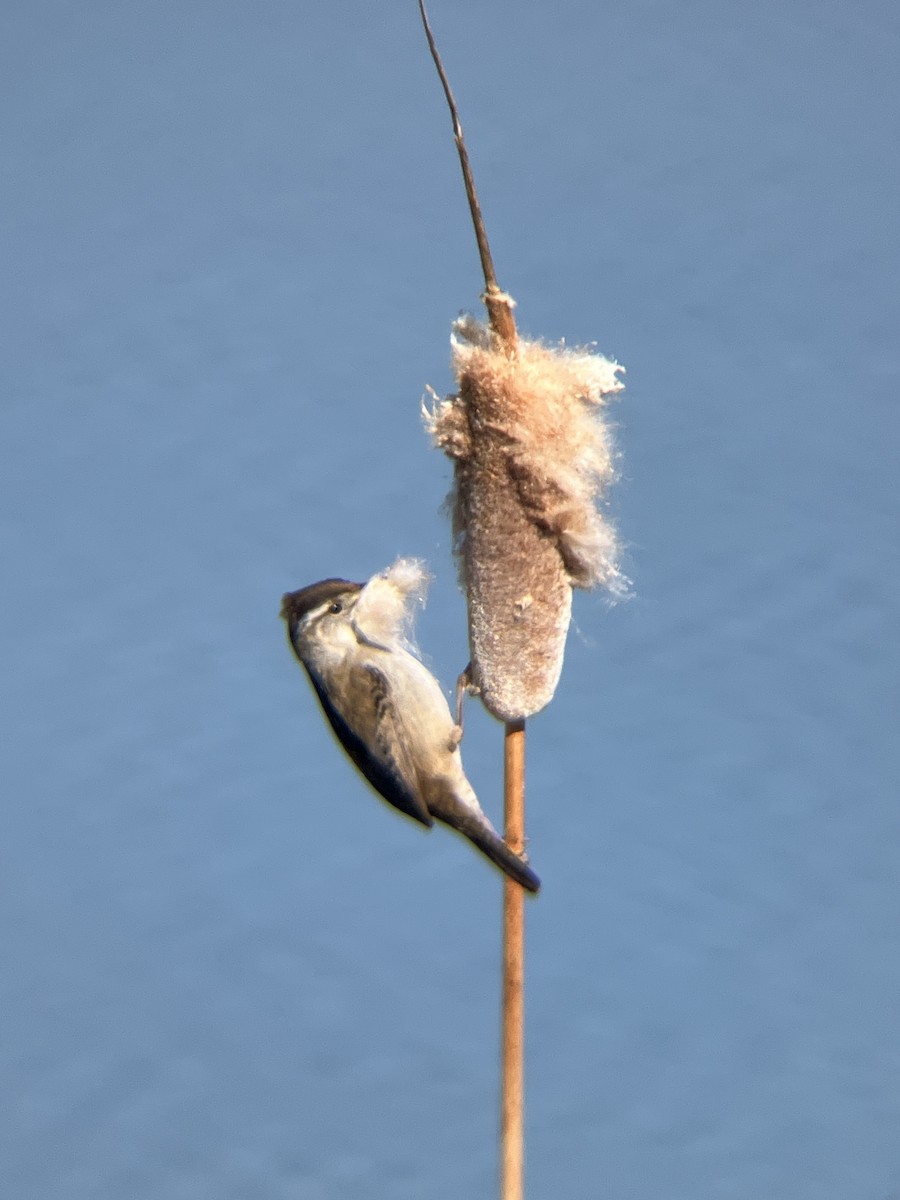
234	241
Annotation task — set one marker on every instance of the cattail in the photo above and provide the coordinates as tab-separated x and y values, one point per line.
531	458
532	455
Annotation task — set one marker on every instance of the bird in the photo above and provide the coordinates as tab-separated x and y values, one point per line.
386	708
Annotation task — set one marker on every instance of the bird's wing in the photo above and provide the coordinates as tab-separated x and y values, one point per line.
375	741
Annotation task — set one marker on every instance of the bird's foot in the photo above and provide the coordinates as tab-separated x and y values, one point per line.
464	684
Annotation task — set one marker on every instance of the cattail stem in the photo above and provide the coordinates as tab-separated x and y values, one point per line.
497	303
512	1065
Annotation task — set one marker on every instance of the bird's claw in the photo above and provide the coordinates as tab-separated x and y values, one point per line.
464	684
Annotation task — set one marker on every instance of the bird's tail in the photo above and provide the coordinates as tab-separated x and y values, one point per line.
493	847
456	804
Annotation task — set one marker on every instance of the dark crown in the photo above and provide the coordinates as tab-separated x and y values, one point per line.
295	605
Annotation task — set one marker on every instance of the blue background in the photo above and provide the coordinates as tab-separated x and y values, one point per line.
234	240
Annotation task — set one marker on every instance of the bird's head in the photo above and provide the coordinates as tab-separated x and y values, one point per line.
320	613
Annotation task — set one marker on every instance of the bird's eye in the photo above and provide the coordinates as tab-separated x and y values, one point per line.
336	607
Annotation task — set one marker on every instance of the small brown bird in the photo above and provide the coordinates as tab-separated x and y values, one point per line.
385	706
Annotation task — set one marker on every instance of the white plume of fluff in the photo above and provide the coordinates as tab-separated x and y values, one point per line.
385	611
559	447
532	457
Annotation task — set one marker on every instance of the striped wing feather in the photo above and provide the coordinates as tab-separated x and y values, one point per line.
375	745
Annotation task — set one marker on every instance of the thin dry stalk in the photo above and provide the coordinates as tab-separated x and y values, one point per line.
496	301
512	1084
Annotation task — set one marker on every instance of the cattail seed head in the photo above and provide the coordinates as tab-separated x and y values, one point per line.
531	457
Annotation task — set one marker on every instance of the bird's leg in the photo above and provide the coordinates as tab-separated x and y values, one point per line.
463	684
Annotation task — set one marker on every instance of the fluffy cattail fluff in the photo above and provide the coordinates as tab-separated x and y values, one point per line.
531	457
384	613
